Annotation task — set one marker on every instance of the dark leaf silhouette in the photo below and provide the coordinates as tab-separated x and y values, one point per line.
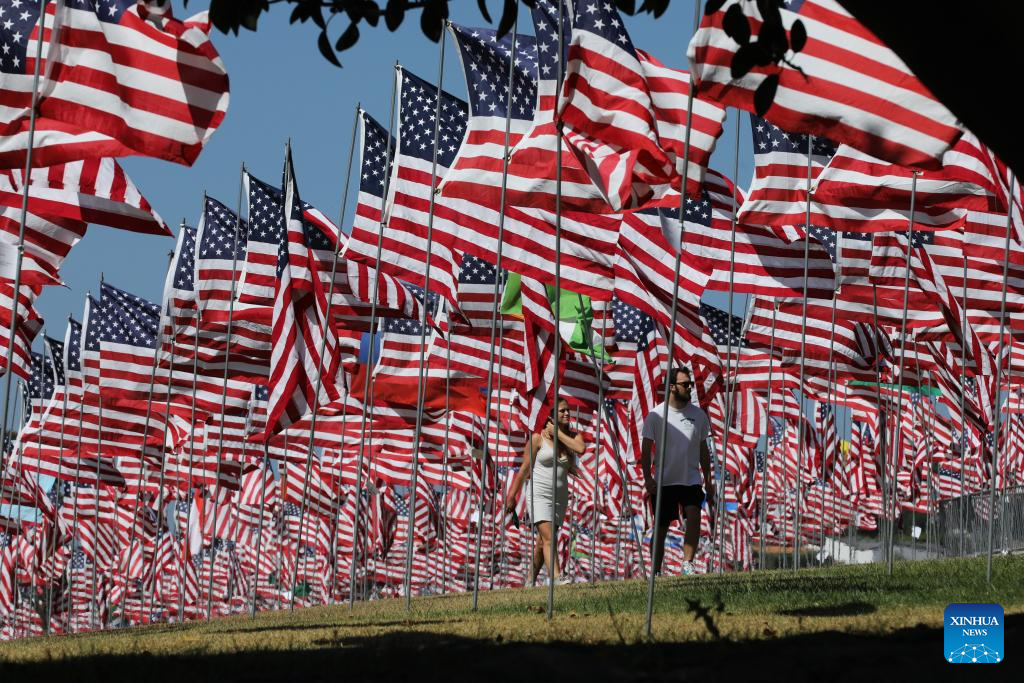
744	60
394	12
432	20
370	11
797	36
627	6
765	94
508	17
349	38
772	40
482	6
713	6
736	26
324	43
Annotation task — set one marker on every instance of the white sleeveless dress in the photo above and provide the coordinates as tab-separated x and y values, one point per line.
544	504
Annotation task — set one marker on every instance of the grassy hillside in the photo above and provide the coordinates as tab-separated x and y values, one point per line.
839	622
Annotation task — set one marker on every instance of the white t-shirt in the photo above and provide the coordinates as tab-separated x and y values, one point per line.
687	430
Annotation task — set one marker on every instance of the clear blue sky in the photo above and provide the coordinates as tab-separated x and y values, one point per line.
281	87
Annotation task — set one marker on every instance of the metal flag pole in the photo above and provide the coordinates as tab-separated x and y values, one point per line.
227	373
882	425
597	447
443	513
835	431
903	350
259	531
27	181
142	446
58	483
421	382
163	465
663	435
192	490
729	386
767	440
39	462
497	270
963	408
94	617
78	476
367	384
559	77
803	350
323	346
343	211
999	385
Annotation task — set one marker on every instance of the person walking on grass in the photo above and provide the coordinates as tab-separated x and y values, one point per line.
687	460
547	505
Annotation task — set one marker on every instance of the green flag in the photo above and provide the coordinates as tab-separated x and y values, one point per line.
574	311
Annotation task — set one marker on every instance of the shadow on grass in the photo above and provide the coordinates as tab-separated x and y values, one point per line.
407	655
321	626
844	610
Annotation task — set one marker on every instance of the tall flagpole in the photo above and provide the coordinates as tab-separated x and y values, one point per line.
259	531
58	483
835	443
78	477
185	550
163	464
999	385
27	181
497	273
767	440
729	387
663	435
227	373
559	76
323	347
342	212
368	384
903	351
142	447
803	350
421	387
963	409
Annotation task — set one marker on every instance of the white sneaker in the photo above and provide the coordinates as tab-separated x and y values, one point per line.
563	580
688	568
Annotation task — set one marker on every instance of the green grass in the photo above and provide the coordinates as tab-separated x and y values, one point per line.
817	612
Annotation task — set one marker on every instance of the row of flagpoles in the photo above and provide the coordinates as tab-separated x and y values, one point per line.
309	416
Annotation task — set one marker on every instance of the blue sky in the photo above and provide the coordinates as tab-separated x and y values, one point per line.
282	88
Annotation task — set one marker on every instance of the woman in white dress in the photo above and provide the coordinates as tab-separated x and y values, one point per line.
547	505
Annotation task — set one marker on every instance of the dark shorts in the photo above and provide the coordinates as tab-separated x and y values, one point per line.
676	496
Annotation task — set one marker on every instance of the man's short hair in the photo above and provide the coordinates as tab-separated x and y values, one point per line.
675	373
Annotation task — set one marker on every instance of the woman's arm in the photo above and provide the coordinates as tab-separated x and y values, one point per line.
573	442
525	469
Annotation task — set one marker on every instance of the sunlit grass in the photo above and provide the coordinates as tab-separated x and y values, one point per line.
772	604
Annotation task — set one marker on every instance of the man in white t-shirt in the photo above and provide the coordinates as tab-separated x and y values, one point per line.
687	466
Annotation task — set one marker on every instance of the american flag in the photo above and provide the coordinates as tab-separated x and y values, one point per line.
400	344
778	194
28	325
874	103
404	253
47	244
220	252
860	192
94	191
469	208
608	114
101	51
304	359
764	262
257	284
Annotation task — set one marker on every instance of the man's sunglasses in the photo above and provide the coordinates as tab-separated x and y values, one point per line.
684	385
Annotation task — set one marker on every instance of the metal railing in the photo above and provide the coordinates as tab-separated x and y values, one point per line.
962	523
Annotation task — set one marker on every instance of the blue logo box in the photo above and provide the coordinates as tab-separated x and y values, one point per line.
973	633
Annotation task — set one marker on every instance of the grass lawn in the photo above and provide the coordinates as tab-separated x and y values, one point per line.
838	622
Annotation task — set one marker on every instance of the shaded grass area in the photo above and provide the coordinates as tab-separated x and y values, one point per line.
841	622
